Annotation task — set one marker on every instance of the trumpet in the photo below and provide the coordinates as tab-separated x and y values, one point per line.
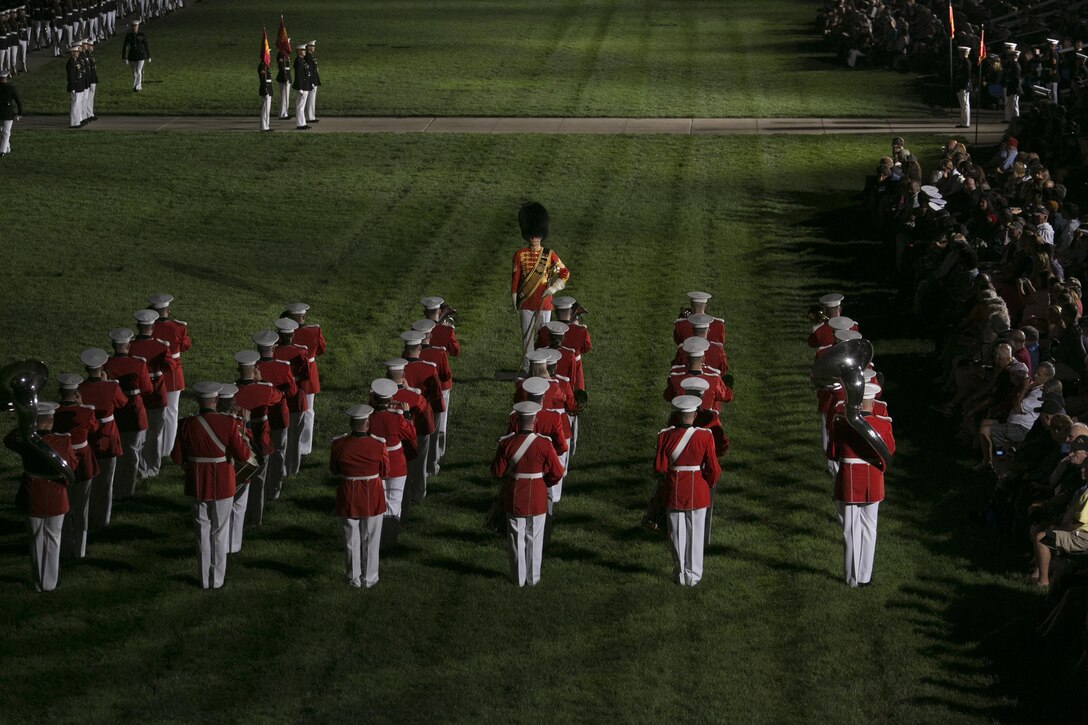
446	316
578	312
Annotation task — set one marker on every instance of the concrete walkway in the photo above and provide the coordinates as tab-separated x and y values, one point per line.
989	130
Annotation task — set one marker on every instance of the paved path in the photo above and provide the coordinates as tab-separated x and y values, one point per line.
989	130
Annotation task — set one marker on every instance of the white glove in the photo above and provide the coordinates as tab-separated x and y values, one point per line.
126	62
559	285
514	299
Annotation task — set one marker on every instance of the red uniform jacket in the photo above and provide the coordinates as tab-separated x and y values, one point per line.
106	397
442	363
861	471
278	372
549	424
423	376
47	495
311	337
298	358
525	484
421	414
559	398
718	392
400	439
78	421
445	337
259	399
135	381
569	368
821	336
361	462
682	330
577	338
176	335
880	408
156	353
525	261
694	471
209	468
714	357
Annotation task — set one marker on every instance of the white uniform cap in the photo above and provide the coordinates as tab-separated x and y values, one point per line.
424	326
94	357
69	381
833	299
686	403
700	385
160	300
247	357
527	408
847	335
47	408
554	355
840	323
964	48
135	22
384	388
1016	54
360	412
121	335
563	303
1010	46
697	296
871	391
540	355
868	374
228	390
266	338
699	320
397	363
297	308
146	317
695	346
557	328
413	337
207	390
73	48
431	303
937	204
535	386
1052	41
931	191
312	42
286	324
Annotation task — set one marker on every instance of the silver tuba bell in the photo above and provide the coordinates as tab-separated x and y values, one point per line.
845	363
19	386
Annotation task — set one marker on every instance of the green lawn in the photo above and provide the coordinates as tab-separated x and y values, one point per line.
729	58
224	223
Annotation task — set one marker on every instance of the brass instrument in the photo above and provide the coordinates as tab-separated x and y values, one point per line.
684	313
581	401
578	312
19	386
845	363
446	314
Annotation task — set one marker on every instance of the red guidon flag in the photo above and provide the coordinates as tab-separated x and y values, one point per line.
266	56
282	41
951	21
982	47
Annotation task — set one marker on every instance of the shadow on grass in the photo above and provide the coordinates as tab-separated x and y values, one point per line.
462	567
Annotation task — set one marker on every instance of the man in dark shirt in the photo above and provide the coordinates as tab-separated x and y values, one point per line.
11	108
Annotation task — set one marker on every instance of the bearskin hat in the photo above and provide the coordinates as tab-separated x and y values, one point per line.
533	218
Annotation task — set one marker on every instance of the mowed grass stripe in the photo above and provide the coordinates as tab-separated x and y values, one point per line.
770	632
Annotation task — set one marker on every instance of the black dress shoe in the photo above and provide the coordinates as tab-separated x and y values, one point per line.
266	130
303	128
76	126
314	120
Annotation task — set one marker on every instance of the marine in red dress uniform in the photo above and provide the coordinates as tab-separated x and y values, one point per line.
135	381
299	358
388	423
280	374
312	338
107	398
77	419
176	334
527	465
537	273
156	353
263	400
441	360
360	463
683	327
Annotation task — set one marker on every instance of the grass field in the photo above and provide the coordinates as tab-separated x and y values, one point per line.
681	58
771	634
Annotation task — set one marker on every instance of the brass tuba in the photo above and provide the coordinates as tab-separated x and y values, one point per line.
19	386
845	363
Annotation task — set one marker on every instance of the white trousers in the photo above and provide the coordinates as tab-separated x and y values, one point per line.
525	535
238	516
528	334
311	104
277	464
170	423
45	536
127	474
285	93
212	540
300	107
687	535
75	109
5	136
255	507
74	540
556	492
294	442
151	456
859	540
964	97
266	112
102	494
394	495
417	469
23	48
361	542
1053	86
1012	107
137	75
573	434
443	421
306	438
89	110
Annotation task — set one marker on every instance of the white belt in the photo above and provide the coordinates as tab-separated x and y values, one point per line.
107	419
556	410
360	478
529	475
132	392
394	448
176	355
685	468
221	459
311	359
854	460
77	446
155	375
262	419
